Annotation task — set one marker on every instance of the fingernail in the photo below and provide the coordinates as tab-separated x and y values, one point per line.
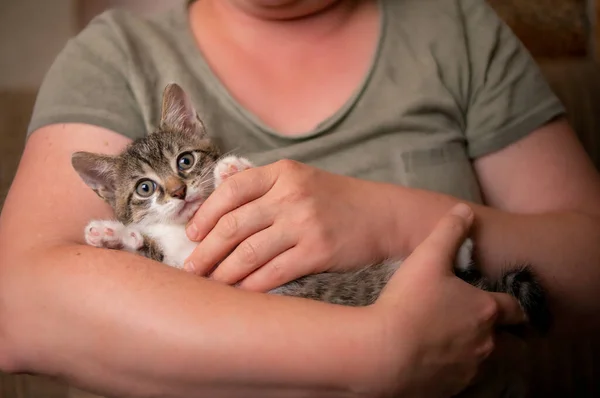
192	231
189	266
462	210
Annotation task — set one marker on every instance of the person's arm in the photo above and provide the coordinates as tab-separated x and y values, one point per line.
543	196
120	324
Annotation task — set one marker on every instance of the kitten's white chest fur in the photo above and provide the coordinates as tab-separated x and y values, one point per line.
175	245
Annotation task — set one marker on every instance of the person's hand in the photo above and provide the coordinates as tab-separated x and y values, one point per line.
279	222
438	329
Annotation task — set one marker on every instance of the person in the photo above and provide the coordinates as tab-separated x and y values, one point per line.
369	120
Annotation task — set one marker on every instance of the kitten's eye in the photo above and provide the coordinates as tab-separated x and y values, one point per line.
185	161
145	188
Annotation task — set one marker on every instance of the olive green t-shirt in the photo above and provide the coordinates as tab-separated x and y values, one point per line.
449	83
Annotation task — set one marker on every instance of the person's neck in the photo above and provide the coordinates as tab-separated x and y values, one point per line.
249	27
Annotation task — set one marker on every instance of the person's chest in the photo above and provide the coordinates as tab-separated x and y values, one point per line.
417	150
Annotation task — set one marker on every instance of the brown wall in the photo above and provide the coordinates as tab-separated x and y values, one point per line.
550	28
15	110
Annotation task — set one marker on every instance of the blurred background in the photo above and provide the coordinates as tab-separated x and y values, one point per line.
563	36
32	32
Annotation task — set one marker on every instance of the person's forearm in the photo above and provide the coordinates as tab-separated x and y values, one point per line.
119	324
562	248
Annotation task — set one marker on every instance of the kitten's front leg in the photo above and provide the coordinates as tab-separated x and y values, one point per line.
113	235
229	166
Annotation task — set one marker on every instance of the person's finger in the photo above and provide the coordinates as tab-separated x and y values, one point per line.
228	232
441	246
509	310
252	254
279	271
234	192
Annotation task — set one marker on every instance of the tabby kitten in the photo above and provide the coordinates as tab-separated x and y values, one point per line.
159	181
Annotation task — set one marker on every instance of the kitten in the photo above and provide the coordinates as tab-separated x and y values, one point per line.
159	181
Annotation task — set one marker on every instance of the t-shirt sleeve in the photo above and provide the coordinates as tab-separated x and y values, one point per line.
509	97
88	83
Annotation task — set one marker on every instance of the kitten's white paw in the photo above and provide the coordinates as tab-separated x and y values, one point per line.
113	235
464	257
229	166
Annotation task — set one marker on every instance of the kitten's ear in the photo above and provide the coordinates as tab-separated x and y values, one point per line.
98	172
178	113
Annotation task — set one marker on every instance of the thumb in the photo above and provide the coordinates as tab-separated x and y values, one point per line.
441	246
509	310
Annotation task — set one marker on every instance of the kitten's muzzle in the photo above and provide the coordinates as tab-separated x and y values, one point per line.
176	188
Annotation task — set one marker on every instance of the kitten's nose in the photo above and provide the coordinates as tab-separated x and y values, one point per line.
176	188
179	192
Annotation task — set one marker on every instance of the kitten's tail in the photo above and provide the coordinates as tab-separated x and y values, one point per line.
521	283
